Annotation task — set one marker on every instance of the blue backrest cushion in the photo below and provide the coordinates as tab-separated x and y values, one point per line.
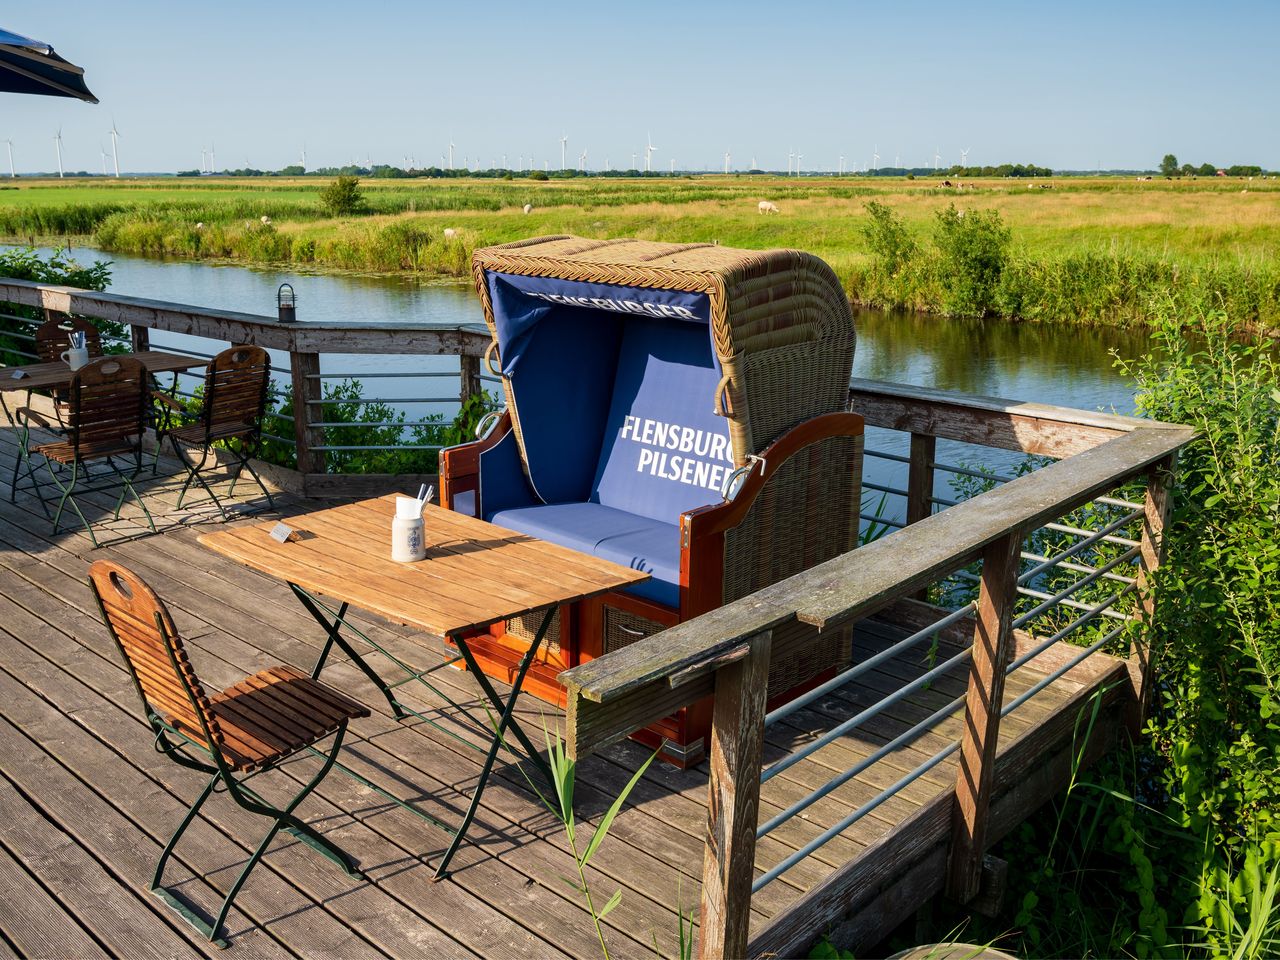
664	449
559	342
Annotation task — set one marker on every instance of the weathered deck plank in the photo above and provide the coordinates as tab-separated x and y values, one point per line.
70	735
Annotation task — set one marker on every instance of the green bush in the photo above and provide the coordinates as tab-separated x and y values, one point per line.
59	268
888	239
973	247
342	197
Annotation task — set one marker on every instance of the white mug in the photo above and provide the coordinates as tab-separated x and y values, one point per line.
75	358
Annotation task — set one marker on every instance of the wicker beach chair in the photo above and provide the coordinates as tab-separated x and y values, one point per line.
680	409
246	730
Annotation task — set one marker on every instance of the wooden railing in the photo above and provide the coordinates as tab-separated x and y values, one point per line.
728	652
304	344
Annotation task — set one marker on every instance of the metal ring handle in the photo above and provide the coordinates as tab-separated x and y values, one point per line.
488	357
487	424
733	483
631	631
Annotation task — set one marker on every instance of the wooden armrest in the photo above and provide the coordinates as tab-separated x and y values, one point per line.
29	416
463	460
171	402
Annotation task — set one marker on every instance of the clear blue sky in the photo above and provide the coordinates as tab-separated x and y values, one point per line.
1066	85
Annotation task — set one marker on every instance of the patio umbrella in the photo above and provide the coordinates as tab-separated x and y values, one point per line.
29	66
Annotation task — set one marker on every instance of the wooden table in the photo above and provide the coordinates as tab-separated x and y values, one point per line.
57	375
475	574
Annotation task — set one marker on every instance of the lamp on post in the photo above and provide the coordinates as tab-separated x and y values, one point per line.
286	304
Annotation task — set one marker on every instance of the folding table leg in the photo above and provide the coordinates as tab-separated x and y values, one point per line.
507	719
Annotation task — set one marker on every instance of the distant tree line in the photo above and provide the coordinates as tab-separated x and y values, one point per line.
1169	167
1003	170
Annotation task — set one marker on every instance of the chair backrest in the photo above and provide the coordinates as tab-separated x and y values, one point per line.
52	337
235	387
664	449
140	624
108	402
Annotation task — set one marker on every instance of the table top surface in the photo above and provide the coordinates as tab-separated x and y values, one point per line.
475	573
44	376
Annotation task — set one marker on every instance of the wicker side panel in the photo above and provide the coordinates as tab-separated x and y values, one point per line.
806	514
623	628
526	628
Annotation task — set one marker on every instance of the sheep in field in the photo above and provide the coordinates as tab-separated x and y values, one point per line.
528	208
767	206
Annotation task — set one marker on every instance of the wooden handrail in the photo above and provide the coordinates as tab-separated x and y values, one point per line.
858	583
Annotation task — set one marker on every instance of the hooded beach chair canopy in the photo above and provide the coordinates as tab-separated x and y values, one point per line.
31	66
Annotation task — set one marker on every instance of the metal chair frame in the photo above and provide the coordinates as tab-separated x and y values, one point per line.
178	747
248	443
68	489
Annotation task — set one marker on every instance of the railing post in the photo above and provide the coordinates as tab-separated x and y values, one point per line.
737	745
139	338
924	448
304	368
992	647
1157	506
470	384
920	477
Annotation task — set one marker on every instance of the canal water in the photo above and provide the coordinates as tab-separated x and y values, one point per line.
1058	364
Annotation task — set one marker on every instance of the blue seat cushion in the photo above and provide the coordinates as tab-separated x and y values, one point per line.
625	538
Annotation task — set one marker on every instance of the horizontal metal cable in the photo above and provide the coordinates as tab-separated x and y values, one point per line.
1071	664
881	455
1076	531
289	440
1075	548
851	819
334	400
1078	567
885	520
969	472
1066	631
1038	594
857	719
401	374
840	679
1082	582
379	423
867	484
406	446
900	740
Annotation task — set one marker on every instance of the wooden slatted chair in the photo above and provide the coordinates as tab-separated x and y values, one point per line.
245	730
105	420
234	401
52	338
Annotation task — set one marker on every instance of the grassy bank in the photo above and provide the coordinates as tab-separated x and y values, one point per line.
1099	250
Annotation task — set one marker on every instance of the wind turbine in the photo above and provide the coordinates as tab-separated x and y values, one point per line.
875	157
633	160
799	157
582	162
937	157
304	157
12	175
115	153
964	157
790	156
103	154
451	146
842	164
564	142
649	150
57	142
673	166
726	162
213	158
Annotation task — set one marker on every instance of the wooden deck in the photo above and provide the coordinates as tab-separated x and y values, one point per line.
86	803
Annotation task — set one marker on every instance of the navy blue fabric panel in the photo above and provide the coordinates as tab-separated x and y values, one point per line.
502	480
664	449
636	542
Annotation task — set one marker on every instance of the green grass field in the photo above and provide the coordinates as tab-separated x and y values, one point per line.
1091	249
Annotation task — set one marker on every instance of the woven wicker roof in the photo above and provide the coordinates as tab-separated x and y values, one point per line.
780	320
